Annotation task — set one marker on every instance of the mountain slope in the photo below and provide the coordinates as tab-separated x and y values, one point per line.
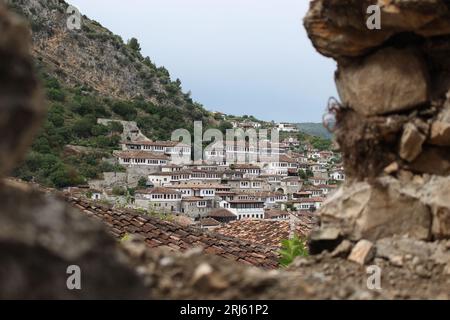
89	74
315	129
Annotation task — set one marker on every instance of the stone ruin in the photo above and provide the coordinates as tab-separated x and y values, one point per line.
392	128
393	122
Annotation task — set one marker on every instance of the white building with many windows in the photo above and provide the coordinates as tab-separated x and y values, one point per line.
245	208
141	158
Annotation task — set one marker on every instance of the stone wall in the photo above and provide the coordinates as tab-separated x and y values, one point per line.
393	121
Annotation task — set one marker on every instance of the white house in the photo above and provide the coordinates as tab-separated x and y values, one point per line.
141	158
280	166
337	175
307	204
287	127
245	208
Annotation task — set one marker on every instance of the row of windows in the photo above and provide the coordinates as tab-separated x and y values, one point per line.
245	184
166	196
250	216
143	161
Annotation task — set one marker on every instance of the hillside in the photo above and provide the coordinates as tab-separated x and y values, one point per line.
89	74
315	129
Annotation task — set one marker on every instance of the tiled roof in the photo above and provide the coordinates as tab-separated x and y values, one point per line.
160	233
274	213
141	155
246	166
307	200
285	158
223	213
209	222
193	199
267	233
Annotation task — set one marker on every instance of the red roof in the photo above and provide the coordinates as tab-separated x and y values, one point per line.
221	213
160	233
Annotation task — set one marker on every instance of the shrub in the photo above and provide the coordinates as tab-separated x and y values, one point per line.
119	191
125	110
82	127
133	43
292	249
54	94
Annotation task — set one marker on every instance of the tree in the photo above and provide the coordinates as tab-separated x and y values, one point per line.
302	174
142	183
133	43
115	127
224	126
125	110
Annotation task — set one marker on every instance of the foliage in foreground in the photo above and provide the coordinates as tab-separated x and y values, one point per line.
292	249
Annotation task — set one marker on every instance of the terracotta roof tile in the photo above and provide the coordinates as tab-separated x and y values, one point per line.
265	232
160	233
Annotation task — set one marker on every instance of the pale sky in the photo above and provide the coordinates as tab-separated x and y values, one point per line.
236	56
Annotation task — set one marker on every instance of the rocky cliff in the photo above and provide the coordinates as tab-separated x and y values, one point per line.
94	56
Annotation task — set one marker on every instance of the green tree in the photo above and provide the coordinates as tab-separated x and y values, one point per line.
125	110
142	183
133	43
302	174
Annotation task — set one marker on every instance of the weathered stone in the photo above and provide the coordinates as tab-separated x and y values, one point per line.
373	211
440	133
343	249
387	81
21	101
41	236
411	142
205	278
339	29
432	160
363	252
436	194
392	168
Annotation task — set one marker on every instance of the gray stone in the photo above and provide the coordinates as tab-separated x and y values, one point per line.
440	133
389	80
436	195
411	142
374	211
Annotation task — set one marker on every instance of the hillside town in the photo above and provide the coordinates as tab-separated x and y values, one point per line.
293	181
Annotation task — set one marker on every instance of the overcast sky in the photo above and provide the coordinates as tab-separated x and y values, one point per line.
236	56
